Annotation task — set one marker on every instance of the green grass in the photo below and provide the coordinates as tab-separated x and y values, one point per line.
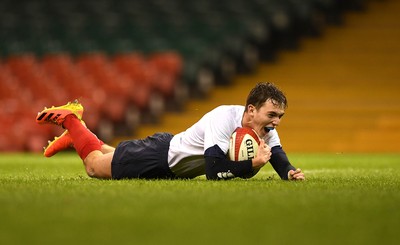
346	199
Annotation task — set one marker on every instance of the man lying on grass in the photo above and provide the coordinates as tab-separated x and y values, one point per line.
201	149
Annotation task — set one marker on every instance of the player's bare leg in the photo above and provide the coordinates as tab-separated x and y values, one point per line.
87	145
98	165
89	148
107	149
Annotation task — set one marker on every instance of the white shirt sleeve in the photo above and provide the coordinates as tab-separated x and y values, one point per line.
272	138
219	128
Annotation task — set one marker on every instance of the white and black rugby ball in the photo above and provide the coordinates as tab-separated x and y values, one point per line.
243	144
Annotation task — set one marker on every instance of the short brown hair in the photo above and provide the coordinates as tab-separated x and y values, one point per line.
264	91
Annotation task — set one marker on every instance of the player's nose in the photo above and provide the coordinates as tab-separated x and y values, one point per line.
276	122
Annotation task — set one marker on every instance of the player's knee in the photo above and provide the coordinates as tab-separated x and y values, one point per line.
97	169
90	166
90	171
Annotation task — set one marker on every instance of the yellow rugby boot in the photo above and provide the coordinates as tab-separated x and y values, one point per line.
56	115
60	143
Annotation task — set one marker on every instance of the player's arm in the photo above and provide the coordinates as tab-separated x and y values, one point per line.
219	167
282	166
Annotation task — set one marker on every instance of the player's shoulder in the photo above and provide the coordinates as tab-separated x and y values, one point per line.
229	109
227	114
272	138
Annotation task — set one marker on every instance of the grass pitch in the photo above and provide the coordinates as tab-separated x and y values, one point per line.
346	199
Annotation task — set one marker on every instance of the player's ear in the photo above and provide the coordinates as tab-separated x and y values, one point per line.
251	108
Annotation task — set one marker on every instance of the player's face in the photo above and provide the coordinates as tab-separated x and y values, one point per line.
267	117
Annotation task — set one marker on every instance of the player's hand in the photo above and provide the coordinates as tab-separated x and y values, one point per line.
296	175
263	155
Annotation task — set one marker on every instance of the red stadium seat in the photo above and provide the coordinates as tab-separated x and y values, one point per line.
30	74
78	85
167	62
118	88
134	66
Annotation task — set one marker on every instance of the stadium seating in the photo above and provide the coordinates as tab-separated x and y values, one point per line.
127	61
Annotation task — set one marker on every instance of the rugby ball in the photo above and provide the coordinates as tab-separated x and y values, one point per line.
243	144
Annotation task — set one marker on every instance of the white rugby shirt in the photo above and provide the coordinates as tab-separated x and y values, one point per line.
186	151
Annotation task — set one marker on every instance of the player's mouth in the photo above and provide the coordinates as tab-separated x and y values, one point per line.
267	129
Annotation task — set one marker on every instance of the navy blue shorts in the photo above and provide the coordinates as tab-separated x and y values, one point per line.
145	158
